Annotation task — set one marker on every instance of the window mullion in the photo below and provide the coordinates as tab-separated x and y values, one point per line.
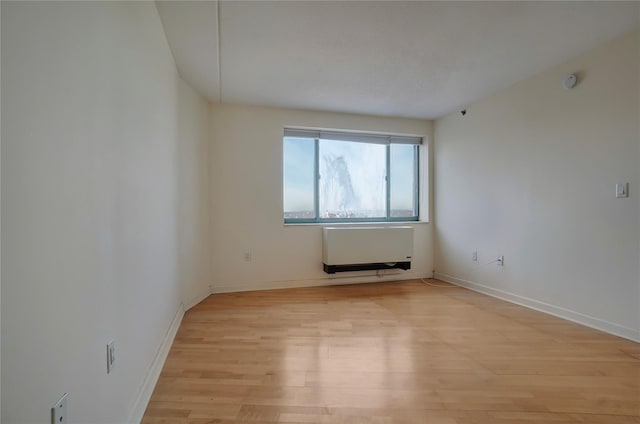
416	182
388	183
316	184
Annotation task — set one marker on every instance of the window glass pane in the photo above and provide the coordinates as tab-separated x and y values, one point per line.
403	180
352	180
299	178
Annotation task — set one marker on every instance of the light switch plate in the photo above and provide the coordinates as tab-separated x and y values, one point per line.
111	356
622	190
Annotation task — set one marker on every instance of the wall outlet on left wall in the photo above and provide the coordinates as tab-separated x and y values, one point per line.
59	411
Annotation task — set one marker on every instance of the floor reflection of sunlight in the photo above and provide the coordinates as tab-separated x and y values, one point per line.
354	367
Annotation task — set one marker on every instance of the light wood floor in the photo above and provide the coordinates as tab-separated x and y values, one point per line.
401	352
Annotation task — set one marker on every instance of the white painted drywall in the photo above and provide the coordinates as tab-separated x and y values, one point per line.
417	59
0	215
530	173
192	32
246	199
193	195
103	179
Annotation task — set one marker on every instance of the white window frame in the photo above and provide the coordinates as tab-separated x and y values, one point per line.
371	138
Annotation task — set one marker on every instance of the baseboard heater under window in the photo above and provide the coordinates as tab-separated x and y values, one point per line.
366	248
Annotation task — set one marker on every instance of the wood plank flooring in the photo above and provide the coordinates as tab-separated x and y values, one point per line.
400	352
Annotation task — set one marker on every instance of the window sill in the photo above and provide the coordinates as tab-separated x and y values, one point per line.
353	224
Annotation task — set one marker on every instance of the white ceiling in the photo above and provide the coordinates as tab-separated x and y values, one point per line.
396	58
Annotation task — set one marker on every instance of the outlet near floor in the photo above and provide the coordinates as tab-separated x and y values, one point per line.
59	411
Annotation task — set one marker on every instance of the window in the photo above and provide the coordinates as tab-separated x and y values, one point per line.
338	177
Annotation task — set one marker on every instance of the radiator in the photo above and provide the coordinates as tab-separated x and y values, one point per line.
366	248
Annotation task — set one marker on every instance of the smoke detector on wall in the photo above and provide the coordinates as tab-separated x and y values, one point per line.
569	81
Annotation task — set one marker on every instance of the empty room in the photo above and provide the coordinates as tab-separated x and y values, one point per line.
336	212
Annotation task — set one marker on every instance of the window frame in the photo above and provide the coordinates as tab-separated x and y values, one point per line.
316	180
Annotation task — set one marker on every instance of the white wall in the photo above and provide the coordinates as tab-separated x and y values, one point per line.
246	200
0	218
103	215
530	173
192	206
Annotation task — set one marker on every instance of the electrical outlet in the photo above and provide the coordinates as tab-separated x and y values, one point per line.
59	411
474	256
248	256
500	260
111	356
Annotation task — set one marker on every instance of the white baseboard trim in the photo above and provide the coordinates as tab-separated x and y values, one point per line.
558	311
197	299
153	373
271	285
